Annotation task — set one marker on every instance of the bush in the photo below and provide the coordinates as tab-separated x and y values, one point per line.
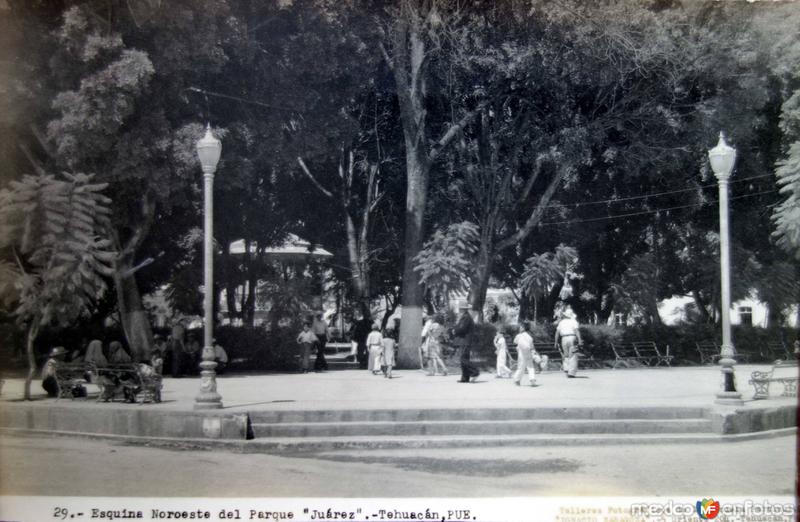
257	349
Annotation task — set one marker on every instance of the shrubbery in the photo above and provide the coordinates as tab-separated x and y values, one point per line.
257	349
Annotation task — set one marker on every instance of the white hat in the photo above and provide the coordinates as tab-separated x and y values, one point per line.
58	350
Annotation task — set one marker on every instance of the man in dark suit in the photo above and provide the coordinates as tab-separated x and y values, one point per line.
463	333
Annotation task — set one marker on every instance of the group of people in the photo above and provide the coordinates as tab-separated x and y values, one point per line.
374	350
312	339
183	356
182	353
567	340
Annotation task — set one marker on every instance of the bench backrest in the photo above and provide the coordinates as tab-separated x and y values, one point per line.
625	350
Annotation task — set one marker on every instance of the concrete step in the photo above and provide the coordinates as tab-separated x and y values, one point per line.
485	428
477	414
283	445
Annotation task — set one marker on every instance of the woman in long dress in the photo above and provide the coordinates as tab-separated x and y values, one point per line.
501	350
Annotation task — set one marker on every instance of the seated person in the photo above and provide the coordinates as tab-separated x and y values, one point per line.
94	353
49	382
221	357
158	354
117	353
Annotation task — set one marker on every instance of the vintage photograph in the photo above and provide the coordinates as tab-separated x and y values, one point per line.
501	251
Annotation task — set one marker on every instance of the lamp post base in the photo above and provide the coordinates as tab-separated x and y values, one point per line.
729	395
208	398
729	399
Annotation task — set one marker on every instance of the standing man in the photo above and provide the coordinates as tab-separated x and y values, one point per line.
320	329
463	334
176	348
359	334
568	341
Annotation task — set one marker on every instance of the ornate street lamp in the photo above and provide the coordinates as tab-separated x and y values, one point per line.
722	158
208	150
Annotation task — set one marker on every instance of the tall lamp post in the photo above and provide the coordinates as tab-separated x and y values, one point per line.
208	150
722	158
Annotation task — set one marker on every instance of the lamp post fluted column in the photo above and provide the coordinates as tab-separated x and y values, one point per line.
722	158
208	150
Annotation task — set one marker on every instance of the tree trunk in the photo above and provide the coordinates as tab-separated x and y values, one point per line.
701	307
356	255
480	284
412	297
33	331
133	317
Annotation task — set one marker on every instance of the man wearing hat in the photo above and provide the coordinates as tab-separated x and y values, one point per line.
49	382
463	334
568	341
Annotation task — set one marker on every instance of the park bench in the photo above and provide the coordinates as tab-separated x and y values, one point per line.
784	373
638	353
710	353
774	351
130	382
72	378
542	347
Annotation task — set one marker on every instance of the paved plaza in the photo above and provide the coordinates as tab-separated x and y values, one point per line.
413	389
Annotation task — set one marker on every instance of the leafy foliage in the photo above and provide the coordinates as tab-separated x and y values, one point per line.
446	261
54	226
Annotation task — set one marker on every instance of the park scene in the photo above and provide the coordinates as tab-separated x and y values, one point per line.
416	248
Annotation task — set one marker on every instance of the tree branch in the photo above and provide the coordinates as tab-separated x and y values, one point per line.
536	214
32	160
316	183
452	132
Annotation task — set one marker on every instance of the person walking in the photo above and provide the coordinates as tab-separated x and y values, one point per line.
424	359
306	339
359	334
568	341
463	335
501	351
435	339
524	342
387	358
375	347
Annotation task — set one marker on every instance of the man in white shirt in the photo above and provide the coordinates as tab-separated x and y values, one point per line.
525	353
568	340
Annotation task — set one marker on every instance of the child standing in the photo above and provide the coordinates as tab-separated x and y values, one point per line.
388	355
375	347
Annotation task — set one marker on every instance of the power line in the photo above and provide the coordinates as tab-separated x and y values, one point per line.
653	211
654	194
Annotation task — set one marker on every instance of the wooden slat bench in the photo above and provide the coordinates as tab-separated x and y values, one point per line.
542	347
72	378
638	353
784	373
130	382
710	353
774	351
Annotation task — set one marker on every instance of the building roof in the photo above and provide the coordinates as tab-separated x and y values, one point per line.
292	247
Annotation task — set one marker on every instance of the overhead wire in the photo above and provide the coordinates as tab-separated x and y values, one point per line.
651	211
650	195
